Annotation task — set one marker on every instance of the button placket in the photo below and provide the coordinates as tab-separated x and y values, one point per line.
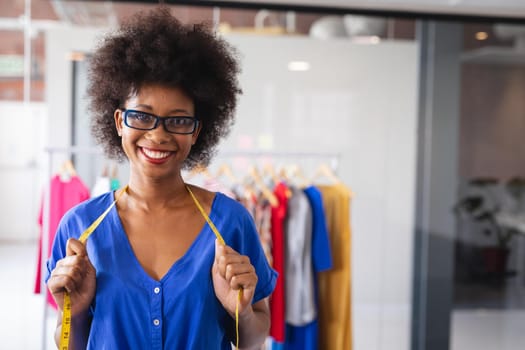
156	314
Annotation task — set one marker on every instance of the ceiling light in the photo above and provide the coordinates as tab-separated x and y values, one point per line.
482	35
298	66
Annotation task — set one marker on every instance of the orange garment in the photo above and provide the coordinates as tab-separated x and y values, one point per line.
335	327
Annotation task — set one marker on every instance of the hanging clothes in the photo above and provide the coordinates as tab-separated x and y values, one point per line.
300	301
101	186
63	195
277	299
263	222
317	258
335	285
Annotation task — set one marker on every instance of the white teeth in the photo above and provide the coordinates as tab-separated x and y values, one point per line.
155	154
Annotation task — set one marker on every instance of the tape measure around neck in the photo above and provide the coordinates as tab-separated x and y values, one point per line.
221	241
66	309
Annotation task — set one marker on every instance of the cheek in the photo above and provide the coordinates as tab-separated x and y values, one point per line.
127	141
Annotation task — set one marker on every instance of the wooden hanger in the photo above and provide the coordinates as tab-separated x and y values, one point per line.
266	192
268	170
325	171
114	171
105	171
67	170
297	176
70	168
225	170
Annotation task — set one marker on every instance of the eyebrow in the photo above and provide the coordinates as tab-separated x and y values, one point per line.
173	111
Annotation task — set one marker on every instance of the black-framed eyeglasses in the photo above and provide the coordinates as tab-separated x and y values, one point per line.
146	121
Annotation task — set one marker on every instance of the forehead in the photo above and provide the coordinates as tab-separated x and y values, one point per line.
160	97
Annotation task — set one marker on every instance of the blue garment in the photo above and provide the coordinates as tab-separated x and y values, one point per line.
302	337
131	310
276	345
321	252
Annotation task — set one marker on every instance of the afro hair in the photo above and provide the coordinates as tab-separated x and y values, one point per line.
155	48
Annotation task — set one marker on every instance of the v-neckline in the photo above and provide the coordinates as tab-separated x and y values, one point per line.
204	233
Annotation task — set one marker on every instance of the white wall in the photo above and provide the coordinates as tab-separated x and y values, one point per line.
21	141
358	101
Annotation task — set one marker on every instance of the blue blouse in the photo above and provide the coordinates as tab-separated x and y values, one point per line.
131	310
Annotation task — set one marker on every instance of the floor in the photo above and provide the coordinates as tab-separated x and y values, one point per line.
22	313
488	330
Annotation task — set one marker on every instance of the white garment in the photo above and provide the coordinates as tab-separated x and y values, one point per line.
299	277
102	185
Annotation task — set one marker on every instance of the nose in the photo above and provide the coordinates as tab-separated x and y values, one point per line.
158	135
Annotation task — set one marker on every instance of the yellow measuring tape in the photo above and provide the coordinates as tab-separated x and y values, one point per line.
66	312
221	241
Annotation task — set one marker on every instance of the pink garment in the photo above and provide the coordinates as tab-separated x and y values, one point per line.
63	196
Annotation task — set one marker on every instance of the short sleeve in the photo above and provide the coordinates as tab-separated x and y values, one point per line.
240	232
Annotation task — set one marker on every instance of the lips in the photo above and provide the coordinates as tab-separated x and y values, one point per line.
155	154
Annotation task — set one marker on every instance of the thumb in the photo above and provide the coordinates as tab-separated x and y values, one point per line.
219	250
75	247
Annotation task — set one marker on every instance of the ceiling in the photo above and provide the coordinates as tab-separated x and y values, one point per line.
483	8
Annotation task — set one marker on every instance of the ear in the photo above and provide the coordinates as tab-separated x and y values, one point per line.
195	134
119	121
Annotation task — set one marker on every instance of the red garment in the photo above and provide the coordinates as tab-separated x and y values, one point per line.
63	196
277	328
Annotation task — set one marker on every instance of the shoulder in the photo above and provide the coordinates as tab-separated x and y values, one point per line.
229	207
217	202
87	210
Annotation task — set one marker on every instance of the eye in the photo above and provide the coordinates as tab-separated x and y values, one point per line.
140	117
180	121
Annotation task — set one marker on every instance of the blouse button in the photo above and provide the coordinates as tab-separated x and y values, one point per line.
156	290
156	322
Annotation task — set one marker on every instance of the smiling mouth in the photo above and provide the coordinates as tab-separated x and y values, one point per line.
155	154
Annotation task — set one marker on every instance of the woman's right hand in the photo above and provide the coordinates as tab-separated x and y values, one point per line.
76	275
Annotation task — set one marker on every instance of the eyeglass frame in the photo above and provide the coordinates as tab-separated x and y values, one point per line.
162	120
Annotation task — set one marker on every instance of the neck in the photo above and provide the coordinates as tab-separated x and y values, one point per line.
148	194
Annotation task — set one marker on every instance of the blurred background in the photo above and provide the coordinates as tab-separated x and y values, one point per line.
416	106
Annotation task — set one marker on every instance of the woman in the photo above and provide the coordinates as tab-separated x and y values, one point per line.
152	275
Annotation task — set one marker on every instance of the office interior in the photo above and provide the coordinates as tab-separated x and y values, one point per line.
420	114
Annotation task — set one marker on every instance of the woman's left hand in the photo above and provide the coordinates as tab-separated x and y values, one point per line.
232	271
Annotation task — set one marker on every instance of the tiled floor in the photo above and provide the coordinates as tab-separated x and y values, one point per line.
21	313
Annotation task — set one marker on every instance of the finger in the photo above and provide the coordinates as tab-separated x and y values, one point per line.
238	269
75	247
62	280
73	266
246	281
71	269
233	257
219	250
60	283
224	261
229	250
